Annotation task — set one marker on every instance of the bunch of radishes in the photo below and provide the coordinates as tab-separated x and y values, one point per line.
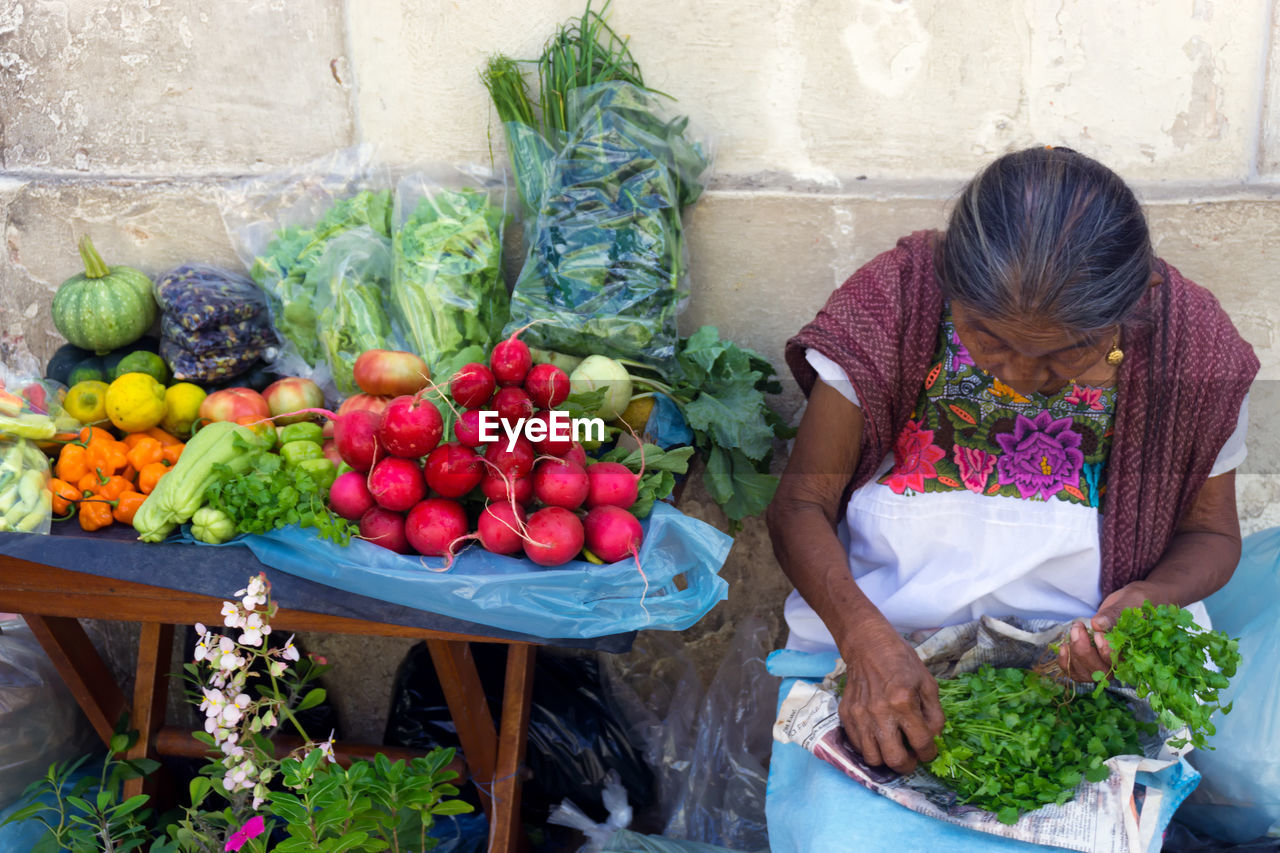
411	492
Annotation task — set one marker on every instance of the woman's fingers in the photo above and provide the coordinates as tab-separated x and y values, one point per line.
1080	657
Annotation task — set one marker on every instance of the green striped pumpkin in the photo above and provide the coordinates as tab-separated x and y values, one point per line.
104	307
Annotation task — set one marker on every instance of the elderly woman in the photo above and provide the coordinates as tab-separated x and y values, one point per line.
1026	415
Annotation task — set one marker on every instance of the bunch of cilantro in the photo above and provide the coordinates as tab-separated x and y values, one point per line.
270	496
1162	653
1016	740
720	388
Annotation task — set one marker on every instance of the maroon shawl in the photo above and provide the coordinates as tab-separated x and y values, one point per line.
1184	376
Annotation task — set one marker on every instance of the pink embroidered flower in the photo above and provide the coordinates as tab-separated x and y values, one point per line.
1041	455
975	467
252	829
1084	395
913	458
962	356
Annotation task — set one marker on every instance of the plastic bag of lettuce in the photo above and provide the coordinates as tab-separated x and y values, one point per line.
447	293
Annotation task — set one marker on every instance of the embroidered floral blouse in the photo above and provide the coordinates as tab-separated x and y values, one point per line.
987	506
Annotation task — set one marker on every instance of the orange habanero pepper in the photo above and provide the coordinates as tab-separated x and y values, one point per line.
107	456
150	475
162	436
95	513
113	488
172	452
126	505
65	495
145	452
72	463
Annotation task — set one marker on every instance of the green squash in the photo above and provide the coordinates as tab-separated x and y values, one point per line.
105	307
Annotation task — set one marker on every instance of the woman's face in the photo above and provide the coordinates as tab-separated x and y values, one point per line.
1031	355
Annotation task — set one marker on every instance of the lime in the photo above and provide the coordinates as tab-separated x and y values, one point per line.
142	361
90	369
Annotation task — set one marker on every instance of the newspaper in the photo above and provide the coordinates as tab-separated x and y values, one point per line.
1103	817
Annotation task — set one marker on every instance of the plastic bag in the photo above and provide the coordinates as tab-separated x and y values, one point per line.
575	738
447	292
210	366
40	722
279	225
1239	797
198	296
707	748
598	834
349	281
606	266
254	332
576	600
31	416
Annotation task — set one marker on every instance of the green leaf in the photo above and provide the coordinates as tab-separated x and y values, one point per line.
1098	774
130	805
311	700
1008	815
734	483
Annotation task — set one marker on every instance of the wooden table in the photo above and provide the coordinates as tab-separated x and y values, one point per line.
52	599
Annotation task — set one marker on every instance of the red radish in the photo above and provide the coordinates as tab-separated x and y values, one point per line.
576	454
466	430
472	386
510	360
434	524
385	528
612	533
495	488
553	446
349	496
513	405
453	470
396	483
499	527
612	484
411	427
547	385
560	483
331	452
363	401
516	462
554	536
356	434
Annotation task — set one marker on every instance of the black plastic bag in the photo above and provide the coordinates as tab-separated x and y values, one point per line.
575	736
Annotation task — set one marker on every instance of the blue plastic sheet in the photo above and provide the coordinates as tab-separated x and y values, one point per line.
576	600
1240	797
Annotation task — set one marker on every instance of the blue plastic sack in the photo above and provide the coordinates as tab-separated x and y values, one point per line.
1239	798
576	600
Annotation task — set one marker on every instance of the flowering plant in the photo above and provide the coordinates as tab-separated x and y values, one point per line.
247	797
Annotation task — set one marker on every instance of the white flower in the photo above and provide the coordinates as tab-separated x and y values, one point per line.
326	747
290	651
255	594
254	630
232	617
212	703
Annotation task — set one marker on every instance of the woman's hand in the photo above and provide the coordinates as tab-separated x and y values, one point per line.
890	708
1087	652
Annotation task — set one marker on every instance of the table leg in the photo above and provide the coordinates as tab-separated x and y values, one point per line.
464	694
83	670
517	699
150	695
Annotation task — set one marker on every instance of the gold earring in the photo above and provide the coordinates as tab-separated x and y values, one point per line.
1115	355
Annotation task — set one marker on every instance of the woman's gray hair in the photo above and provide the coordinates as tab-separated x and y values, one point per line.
1051	234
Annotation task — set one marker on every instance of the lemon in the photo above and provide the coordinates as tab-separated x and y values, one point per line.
142	361
87	401
182	407
636	415
135	402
